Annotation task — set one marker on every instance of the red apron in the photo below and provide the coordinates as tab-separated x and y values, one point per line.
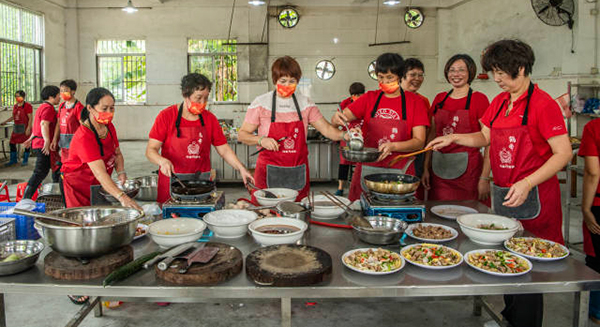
512	158
288	167
188	149
68	125
81	185
378	131
18	135
588	246
456	169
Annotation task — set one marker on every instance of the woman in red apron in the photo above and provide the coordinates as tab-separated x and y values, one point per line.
590	205
356	90
22	115
457	172
94	154
394	122
69	116
181	137
529	145
281	119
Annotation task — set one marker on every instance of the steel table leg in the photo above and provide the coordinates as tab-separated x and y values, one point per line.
580	309
2	311
567	196
83	312
98	308
477	306
286	312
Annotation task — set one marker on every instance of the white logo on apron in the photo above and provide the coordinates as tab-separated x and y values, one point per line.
200	137
387	114
506	156
194	148
289	144
448	130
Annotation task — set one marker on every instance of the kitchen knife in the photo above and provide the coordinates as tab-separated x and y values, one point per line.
259	151
164	265
172	252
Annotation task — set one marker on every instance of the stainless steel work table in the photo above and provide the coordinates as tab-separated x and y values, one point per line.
564	276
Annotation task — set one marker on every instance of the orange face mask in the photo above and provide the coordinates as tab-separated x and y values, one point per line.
286	90
197	108
104	117
389	87
355	97
19	99
66	96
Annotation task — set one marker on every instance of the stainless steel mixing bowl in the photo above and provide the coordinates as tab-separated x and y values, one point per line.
386	230
131	188
90	241
364	155
148	188
31	249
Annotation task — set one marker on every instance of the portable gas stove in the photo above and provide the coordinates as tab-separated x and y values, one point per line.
194	209
409	209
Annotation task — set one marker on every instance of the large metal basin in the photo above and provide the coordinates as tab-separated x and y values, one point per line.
148	188
90	241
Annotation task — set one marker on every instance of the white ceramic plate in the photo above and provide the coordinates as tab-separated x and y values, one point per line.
406	248
410	232
367	272
493	272
144	227
450	211
531	257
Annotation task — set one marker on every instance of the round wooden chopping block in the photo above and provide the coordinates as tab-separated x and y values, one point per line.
226	264
60	267
288	265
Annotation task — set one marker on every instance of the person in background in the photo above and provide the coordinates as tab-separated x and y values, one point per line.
528	141
69	118
281	118
44	125
93	155
590	205
344	170
412	79
22	115
180	139
395	122
457	172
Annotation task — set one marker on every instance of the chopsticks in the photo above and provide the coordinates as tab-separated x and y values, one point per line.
263	149
402	156
337	202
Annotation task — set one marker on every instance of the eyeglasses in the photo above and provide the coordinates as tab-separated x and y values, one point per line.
457	71
415	75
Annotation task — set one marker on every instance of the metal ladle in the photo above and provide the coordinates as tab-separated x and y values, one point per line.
268	194
356	143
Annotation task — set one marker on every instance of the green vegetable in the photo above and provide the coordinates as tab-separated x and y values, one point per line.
128	269
12	257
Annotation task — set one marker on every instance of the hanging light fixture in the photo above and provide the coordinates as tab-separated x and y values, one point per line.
130	8
391	2
256	2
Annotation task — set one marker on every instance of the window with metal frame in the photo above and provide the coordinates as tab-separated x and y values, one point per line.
121	66
21	49
217	60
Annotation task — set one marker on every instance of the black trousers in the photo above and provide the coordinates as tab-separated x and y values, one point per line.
13	148
524	310
419	164
41	170
594	262
345	172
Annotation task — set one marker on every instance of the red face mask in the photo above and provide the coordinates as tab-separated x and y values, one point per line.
286	90
197	108
66	96
104	117
355	97
19	99
389	88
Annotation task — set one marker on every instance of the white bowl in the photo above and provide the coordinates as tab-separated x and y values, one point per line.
329	210
174	231
470	223
283	194
271	239
229	223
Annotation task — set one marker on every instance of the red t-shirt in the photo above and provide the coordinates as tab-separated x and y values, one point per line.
425	100
85	149
416	112
69	117
477	107
590	146
44	112
545	119
164	126
20	114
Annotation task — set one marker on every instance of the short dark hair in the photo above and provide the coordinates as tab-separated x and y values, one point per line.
508	56
357	88
285	66
471	66
21	93
390	62
49	91
412	63
71	84
193	82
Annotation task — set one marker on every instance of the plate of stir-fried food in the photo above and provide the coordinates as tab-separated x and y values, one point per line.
498	262
536	248
432	256
373	261
426	232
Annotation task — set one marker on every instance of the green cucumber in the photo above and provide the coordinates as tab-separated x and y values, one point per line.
128	269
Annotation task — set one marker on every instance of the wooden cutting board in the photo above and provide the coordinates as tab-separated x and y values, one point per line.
288	265
226	264
60	267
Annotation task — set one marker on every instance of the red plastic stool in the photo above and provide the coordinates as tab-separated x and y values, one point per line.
6	196
21	189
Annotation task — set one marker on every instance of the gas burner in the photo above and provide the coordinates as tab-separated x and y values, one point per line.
389	199
193	209
408	209
211	200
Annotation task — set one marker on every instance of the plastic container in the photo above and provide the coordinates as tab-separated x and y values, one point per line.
7	229
23	225
111	304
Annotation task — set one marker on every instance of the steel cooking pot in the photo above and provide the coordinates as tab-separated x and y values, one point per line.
148	187
131	188
392	183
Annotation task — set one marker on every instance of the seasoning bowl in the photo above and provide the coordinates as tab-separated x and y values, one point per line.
174	231
386	230
470	225
229	223
283	194
272	239
323	207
